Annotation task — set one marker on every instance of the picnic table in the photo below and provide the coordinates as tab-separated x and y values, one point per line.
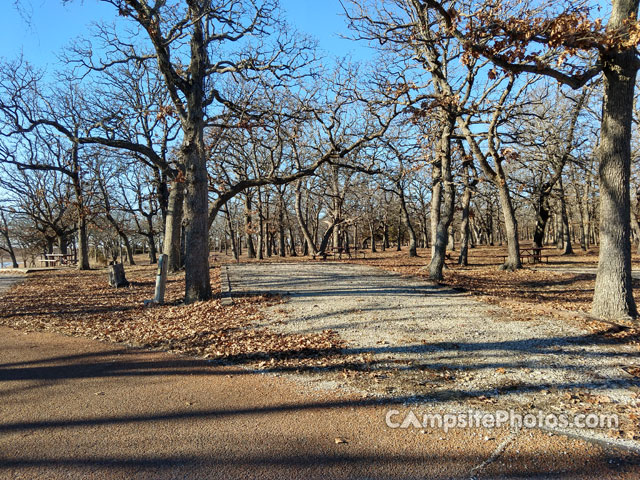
533	254
54	259
339	251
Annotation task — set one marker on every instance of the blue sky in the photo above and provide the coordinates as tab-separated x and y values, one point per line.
41	28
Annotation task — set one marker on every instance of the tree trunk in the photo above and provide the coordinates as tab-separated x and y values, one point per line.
635	219
281	234
83	244
269	242
173	227
442	229
581	210
464	225
153	252
129	250
613	297
567	248
62	243
194	158
301	220
7	240
511	227
451	243
49	247
325	239
385	236
260	226
163	194
248	221
542	216
372	231
196	213
436	200
83	247
232	235
413	250
292	241
14	260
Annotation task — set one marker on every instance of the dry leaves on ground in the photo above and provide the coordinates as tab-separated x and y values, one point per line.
82	304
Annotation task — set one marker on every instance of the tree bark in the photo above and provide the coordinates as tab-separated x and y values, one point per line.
260	226
49	247
153	251
451	242
281	229
372	231
567	248
7	240
62	243
413	250
385	236
613	297
196	214
446	216
248	221
292	241
129	250
635	219
173	226
511	227
325	239
301	220
542	215
83	244
436	201
464	225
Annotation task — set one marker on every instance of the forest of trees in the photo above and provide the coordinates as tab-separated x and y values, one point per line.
190	126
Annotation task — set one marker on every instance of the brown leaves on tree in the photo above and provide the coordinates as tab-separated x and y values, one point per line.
500	32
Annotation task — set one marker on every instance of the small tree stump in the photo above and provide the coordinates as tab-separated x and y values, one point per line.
116	276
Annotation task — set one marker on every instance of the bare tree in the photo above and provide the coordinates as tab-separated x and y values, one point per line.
561	33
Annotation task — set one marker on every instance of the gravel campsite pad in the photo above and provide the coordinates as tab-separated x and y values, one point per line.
407	339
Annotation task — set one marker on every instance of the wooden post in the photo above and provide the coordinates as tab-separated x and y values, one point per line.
161	279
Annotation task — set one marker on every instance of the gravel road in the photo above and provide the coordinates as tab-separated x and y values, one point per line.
442	345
